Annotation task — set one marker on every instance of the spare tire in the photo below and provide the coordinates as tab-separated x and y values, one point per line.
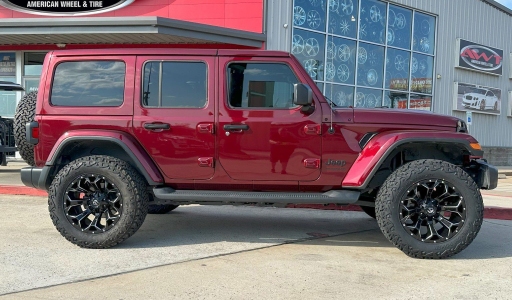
25	113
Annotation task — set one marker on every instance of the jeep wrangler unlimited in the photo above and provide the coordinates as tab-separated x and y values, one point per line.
114	134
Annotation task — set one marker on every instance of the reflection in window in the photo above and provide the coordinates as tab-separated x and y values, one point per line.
343	17
399	27
393	99
310	14
366	45
421	102
421	78
309	48
181	84
370	59
373	21
397	69
341	95
424	28
88	83
369	98
260	85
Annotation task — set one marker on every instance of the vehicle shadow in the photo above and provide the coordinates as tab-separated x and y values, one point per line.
271	226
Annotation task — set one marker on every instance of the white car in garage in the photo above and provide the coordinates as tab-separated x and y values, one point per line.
480	99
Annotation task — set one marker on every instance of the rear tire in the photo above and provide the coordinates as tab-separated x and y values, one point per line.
429	209
98	201
157	209
25	113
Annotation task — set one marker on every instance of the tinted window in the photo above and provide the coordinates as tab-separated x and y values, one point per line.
88	83
174	84
260	85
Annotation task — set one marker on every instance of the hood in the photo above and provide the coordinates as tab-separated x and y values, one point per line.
403	117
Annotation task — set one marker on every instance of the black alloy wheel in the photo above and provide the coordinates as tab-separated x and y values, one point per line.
433	211
93	204
98	201
429	209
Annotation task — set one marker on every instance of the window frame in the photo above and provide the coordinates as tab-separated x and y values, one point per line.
88	60
228	95
161	61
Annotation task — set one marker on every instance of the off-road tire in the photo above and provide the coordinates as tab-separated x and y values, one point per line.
160	209
388	203
132	188
25	113
370	211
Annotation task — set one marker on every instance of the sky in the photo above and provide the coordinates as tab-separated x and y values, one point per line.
507	3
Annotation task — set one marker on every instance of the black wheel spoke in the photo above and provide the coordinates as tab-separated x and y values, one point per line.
432	211
82	216
432	231
99	198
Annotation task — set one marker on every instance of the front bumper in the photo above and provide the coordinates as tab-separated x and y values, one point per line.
35	177
486	175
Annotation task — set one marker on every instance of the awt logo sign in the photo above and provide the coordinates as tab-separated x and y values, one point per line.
65	7
479	57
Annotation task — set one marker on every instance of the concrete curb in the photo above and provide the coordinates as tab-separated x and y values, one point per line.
491	212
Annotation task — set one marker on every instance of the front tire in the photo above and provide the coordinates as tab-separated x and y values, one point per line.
429	209
98	201
160	209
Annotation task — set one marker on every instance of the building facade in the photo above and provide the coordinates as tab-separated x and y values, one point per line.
450	57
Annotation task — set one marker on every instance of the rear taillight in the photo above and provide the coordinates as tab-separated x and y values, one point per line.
32	132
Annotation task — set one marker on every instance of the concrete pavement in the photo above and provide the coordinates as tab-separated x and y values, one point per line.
208	252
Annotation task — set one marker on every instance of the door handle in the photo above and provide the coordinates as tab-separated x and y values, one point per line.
156	126
231	127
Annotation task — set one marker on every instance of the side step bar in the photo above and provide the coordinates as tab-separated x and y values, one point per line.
167	195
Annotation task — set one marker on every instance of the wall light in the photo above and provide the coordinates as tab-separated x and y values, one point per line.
60	45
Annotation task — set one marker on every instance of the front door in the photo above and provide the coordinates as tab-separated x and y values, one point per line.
262	135
174	117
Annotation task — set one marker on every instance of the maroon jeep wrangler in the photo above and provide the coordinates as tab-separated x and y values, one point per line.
115	134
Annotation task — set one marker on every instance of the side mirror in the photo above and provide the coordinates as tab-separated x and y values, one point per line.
302	94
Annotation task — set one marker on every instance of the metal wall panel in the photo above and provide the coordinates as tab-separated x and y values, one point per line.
472	20
279	24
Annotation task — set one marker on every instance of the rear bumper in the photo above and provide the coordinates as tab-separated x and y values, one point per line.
35	177
487	175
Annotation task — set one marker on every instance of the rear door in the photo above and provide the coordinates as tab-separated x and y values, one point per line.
174	114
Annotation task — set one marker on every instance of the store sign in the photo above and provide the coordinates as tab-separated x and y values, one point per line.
479	58
477	98
7	64
65	8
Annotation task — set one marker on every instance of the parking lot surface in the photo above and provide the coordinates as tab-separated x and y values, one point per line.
207	252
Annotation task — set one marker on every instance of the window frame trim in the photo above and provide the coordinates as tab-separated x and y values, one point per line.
161	61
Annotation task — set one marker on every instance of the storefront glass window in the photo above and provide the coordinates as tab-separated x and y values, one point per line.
397	69
370	70
421	78
366	53
424	30
373	21
343	17
309	48
310	14
399	27
33	63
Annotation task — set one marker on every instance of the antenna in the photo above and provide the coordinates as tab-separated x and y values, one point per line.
331	128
